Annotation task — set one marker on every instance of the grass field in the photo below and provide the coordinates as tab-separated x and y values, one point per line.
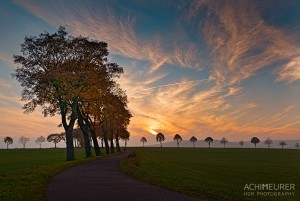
216	174
25	173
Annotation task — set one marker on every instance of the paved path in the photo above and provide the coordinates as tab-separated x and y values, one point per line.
101	179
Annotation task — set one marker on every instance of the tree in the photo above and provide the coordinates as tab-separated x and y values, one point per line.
8	140
178	139
55	138
268	142
193	140
114	117
125	136
77	137
40	140
60	72
224	141
297	145
143	140
209	140
160	138
241	143
62	136
23	140
255	141
282	144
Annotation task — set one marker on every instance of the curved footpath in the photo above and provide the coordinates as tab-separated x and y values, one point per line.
101	179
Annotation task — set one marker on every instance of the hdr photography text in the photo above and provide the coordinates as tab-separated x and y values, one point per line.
270	189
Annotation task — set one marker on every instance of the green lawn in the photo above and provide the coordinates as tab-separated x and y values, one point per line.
215	174
25	173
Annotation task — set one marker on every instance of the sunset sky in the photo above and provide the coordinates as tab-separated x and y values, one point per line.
203	68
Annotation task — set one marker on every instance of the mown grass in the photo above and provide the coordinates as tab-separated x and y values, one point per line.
215	174
25	173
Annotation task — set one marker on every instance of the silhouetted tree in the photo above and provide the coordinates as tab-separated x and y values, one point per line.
8	140
55	138
62	73
241	143
143	140
160	138
115	117
209	140
125	135
193	140
268	142
23	140
282	144
62	136
255	141
78	137
40	140
297	145
178	139
224	141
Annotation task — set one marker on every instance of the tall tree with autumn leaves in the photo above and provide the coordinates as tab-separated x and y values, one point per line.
115	117
65	75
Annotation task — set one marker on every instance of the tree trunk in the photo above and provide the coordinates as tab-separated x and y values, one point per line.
24	146
194	144
6	145
112	148
95	142
111	138
177	144
87	145
69	129
85	127
40	146
102	142
118	144
104	129
69	142
143	143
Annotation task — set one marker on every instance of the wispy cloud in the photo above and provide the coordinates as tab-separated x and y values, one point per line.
290	72
102	23
279	116
241	42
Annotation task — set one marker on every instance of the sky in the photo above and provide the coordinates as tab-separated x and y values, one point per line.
199	68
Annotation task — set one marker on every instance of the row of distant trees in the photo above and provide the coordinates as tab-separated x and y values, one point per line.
177	138
77	136
55	138
9	140
71	76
